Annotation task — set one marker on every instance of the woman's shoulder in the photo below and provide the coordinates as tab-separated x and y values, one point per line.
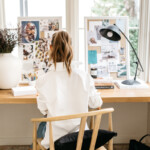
80	72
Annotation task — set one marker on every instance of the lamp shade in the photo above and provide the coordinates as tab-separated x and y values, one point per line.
111	33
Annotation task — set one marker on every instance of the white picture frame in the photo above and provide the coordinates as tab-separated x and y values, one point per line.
40	37
97	19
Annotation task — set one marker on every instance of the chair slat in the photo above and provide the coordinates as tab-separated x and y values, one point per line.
51	136
95	132
59	118
92	122
110	128
81	133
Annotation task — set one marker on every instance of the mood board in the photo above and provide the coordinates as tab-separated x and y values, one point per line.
110	58
35	38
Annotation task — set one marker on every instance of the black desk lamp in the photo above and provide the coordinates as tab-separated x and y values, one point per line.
112	32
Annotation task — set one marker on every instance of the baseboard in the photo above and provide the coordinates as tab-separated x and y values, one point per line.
125	139
28	140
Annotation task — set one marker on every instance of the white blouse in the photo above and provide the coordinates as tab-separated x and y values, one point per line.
61	94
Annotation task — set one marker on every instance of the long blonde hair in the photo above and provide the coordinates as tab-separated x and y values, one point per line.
62	50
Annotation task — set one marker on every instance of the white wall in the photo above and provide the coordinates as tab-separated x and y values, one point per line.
15	124
148	124
129	120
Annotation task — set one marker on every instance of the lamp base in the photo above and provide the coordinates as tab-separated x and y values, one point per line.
130	82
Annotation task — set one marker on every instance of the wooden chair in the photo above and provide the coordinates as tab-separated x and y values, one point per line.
97	114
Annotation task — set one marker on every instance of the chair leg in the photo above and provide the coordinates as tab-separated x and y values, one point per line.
38	147
34	136
110	145
101	148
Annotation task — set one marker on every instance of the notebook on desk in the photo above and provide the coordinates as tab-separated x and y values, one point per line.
143	85
104	83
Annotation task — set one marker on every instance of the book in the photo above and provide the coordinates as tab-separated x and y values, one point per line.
104	87
24	90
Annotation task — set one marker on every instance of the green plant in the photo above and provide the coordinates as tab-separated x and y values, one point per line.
8	40
134	40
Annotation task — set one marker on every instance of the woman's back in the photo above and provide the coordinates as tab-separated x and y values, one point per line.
64	90
61	94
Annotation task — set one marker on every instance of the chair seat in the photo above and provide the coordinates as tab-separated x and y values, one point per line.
82	140
69	141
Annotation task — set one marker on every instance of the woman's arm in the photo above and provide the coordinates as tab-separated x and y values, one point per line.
41	103
95	100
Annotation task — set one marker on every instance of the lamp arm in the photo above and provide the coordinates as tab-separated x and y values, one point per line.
132	47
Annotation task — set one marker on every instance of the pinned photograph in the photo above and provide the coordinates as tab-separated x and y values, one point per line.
53	25
27	52
29	31
121	24
92	40
43	45
92	56
94	36
122	51
109	54
97	29
92	25
99	58
122	70
112	65
44	25
106	48
102	70
115	45
41	53
29	76
48	35
122	59
105	22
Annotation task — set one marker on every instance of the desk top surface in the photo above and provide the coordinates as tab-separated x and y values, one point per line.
115	95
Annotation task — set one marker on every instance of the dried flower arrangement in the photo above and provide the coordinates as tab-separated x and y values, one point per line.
8	40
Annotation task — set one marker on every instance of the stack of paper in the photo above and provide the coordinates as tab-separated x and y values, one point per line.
142	85
103	80
24	90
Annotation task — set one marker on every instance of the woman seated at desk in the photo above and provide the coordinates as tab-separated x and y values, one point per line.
64	90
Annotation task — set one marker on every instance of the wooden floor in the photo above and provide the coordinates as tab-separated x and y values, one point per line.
116	147
15	147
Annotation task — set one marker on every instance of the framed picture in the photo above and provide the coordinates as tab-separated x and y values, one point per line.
36	35
110	58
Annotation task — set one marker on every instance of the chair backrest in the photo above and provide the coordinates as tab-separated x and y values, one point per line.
97	114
